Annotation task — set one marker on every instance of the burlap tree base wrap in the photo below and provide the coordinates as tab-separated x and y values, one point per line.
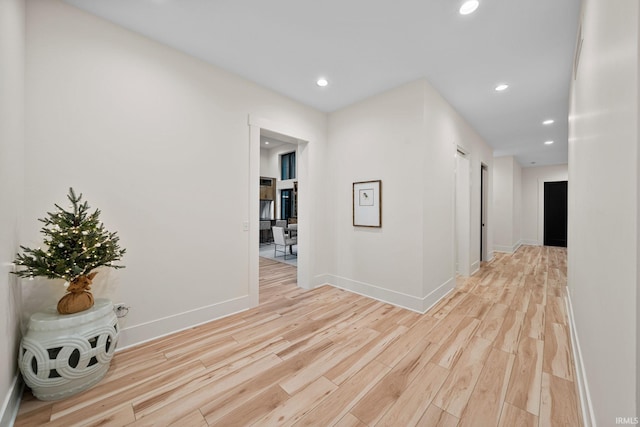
78	298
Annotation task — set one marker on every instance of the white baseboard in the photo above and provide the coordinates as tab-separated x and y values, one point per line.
322	279
475	267
507	249
503	249
144	332
381	294
435	296
12	402
410	302
517	246
588	417
531	243
158	328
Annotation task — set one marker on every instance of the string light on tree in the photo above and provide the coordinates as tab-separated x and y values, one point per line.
77	243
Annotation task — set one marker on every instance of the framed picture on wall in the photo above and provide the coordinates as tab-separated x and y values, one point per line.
367	204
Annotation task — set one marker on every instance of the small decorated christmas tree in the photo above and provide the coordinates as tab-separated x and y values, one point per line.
76	244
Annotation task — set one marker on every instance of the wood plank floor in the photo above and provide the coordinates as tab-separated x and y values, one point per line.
495	352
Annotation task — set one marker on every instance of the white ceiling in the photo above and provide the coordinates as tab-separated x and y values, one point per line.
270	140
364	47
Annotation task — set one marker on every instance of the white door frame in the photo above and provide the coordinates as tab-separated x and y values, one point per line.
484	212
304	227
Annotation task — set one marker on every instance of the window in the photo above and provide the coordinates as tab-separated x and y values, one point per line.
287	204
288	166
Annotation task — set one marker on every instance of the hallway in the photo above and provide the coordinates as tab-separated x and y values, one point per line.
496	351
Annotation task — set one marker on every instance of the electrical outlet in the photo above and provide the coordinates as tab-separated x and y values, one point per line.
121	310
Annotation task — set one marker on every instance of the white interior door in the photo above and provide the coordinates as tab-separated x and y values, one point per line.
463	214
484	253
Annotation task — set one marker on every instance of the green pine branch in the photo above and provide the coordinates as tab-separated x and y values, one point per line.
75	241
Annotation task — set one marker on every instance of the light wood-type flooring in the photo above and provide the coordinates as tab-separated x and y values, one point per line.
495	352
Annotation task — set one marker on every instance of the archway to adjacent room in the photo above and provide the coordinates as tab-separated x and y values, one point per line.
264	128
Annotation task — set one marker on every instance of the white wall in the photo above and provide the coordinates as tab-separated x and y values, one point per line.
603	206
160	142
533	179
265	163
270	159
379	138
638	243
12	27
443	123
507	204
407	138
503	203
517	202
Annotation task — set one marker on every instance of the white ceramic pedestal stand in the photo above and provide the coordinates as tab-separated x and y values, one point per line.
64	354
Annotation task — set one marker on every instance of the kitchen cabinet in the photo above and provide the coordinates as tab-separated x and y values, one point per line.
267	188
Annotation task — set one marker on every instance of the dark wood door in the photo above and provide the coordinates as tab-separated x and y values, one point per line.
555	213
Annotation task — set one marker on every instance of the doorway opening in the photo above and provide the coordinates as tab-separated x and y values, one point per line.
279	174
555	213
261	129
484	207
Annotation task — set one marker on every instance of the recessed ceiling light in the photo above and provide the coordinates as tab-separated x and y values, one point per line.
548	122
322	82
266	143
469	6
548	142
502	87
